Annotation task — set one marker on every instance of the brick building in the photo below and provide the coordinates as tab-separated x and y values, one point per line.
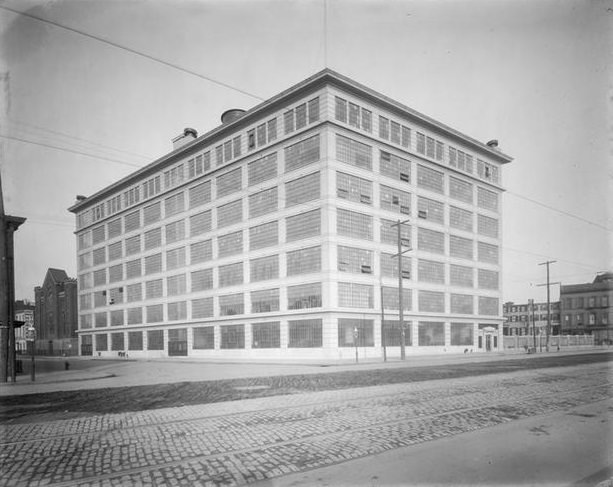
272	236
518	318
24	312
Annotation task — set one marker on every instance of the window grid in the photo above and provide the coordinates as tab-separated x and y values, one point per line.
304	225
304	296
353	188
304	261
301	190
395	200
302	154
263	202
353	152
265	301
230	244
231	274
352	224
352	295
264	268
231	304
358	261
229	214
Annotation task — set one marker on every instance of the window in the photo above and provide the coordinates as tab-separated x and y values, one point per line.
430	240
135	340
230	244
461	276
155	313
384	128
229	214
97	212
114	228
265	235
175	285
304	261
353	188
229	183
431	334
392	332
116	273
266	335
487	226
394	167
134	292
265	301
430	271
488	306
199	165
352	224
173	176
135	317
487	279
231	274
151	187
175	258
177	311
154	289
354	260
152	213
304	225
461	303
200	194
304	296
200	223
395	200
153	238
302	154
355	333
460	219
391	297
102	344
231	304
202	308
487	252
302	190
117	341
487	199
389	233
460	247
352	295
204	338
100	320
131	221
389	266
131	197
353	152
201	252
263	202
340	109
232	336
431	301
421	142
100	277
155	340
429	179
175	231
173	205
133	245
115	251
264	268
153	264
305	333
202	280
263	169
434	210
460	190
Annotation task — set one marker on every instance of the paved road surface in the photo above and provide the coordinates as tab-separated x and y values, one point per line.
278	440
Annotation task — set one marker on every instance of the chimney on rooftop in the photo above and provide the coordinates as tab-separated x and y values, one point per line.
80	198
493	144
187	136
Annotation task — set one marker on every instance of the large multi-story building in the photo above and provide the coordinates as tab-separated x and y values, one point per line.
526	318
272	236
587	309
24	313
55	313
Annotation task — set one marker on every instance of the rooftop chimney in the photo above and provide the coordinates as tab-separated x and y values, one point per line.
493	144
187	136
231	115
80	197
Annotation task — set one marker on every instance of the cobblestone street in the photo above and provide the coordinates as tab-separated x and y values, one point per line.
239	442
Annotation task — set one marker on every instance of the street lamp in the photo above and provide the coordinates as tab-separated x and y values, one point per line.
356	332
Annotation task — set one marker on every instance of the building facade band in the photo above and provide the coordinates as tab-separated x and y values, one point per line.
273	236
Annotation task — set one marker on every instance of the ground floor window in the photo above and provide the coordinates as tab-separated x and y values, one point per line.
266	335
155	340
204	338
355	332
177	341
305	333
102	344
232	336
135	340
431	334
86	344
462	334
392	333
117	341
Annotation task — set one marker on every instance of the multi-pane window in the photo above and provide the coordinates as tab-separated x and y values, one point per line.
201	251
340	109
173	176
85	260
460	190
152	213
131	197
353	188
350	259
231	304
200	194
133	269
430	271
395	167
202	280
99	299
202	308
85	301
352	224
100	319
102	344
304	225
302	153
204	337
175	231
395	200
133	245
304	261
229	214
263	202
302	190
97	212
199	165
353	152
115	251
98	235
155	313
305	333
231	274
100	277
487	199
461	160
265	301
355	332
263	169
177	310
200	223
460	247
304	296
431	301
176	285
135	317
488	306
85	240
86	281
134	292
230	244
384	127
155	339
487	171
232	336
352	295
487	279
391	298
116	273
154	289
487	226
135	340
428	178
431	334
131	221
461	276
389	233
174	204
86	323
116	295
430	240
175	258
113	228
460	219
99	256
392	332
113	205
420	143
229	183
461	334
431	210
153	238
153	264
264	235
389	265
266	335
264	268
461	303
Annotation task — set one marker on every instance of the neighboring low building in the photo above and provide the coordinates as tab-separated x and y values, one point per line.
518	318
24	312
586	309
55	314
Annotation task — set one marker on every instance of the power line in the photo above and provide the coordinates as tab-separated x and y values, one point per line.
69	150
133	51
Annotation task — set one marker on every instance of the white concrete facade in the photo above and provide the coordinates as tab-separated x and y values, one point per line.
280	245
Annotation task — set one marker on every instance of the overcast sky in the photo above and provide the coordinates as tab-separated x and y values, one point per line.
84	104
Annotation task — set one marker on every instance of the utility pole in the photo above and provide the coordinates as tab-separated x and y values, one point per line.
548	304
382	321
533	323
399	224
